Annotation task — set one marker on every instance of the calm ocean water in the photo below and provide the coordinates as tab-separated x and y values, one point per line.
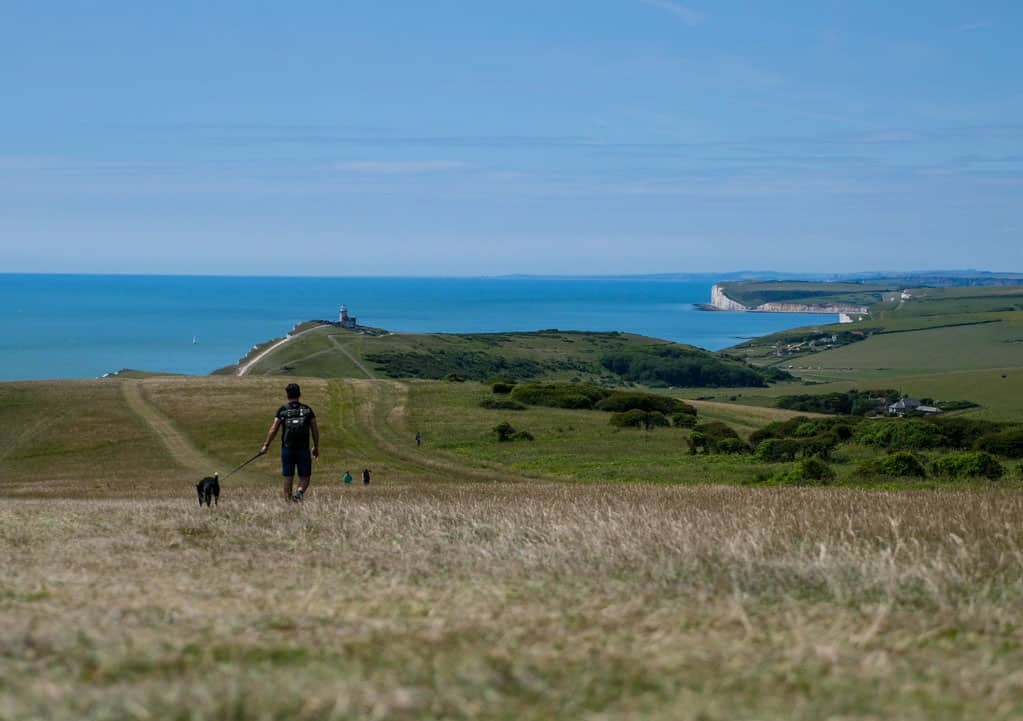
82	326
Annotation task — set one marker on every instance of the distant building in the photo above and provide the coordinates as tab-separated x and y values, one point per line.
910	405
903	406
346	321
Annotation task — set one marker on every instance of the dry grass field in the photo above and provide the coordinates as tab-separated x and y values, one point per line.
516	601
448	591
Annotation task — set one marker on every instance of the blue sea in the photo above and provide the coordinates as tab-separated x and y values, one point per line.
84	326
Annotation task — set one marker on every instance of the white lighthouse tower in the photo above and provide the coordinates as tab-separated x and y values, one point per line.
345	320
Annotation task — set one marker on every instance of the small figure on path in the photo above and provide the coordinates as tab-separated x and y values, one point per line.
299	423
347	478
365	476
419	438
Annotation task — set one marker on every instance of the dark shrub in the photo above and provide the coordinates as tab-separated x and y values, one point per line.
439	362
716	429
809	472
787	428
819	446
454	378
819	436
504	431
898	464
963	433
502	404
502	388
843	431
637	418
676	365
732	446
849	403
969	464
628	419
1007	443
559	395
621	401
775	450
900	434
708	436
807	429
816	470
759	436
683	420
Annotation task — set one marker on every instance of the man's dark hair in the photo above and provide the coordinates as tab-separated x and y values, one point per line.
293	390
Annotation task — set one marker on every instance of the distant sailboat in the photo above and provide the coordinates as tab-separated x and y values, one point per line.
195	339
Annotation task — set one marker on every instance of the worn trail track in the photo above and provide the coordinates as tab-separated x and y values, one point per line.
176	442
372	418
377	412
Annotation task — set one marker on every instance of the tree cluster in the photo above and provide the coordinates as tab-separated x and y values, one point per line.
660	365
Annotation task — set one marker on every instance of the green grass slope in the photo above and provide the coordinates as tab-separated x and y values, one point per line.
754	293
941	343
331	352
157	436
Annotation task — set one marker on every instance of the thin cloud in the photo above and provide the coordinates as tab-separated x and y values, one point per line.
689	16
891	136
327	138
974	26
57	165
401	167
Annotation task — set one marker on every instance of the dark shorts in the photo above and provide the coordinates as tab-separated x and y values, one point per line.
300	459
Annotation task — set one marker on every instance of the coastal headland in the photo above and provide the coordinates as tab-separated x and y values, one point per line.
719	300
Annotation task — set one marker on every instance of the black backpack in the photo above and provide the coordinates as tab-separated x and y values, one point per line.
295	424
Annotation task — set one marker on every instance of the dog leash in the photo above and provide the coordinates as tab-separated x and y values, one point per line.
238	468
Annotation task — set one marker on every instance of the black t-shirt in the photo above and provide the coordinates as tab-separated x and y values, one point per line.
295	418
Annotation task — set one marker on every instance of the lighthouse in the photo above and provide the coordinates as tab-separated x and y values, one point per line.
344	320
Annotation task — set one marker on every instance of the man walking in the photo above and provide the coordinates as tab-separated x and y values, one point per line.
299	423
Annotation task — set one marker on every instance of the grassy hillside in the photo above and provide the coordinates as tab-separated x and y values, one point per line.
754	293
947	343
330	352
475	579
157	436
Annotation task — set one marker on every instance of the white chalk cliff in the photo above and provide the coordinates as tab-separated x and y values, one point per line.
719	300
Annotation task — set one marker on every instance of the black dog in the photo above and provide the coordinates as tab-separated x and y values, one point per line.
209	488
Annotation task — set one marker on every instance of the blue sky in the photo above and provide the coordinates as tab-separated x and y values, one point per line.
452	137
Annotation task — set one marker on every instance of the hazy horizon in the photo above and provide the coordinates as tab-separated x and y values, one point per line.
732	275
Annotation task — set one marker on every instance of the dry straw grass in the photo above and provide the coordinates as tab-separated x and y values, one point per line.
516	601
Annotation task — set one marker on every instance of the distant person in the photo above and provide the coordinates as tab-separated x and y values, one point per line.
299	424
419	438
347	478
365	476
